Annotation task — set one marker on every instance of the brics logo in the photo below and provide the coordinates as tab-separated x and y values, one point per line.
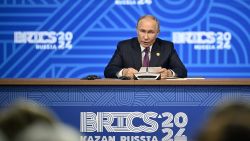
171	126
133	2
204	40
45	40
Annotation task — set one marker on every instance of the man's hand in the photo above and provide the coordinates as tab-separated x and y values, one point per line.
165	73
129	72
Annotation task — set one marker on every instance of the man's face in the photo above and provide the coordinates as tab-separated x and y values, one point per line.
147	32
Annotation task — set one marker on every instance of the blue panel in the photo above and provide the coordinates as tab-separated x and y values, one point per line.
97	27
69	101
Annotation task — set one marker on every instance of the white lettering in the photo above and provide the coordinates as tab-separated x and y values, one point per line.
45	39
118	122
138	138
97	138
203	40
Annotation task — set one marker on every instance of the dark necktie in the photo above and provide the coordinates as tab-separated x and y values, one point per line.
146	57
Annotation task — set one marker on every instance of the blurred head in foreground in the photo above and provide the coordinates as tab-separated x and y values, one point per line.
27	121
230	122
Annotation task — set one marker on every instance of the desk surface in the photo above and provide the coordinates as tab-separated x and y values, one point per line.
188	81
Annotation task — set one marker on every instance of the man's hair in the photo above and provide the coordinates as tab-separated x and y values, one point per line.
20	115
151	17
228	123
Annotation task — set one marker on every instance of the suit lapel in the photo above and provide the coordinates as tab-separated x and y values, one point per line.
136	54
155	55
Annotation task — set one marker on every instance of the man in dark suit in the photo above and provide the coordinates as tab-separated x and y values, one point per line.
145	51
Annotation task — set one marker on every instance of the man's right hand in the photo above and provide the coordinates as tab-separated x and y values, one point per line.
129	72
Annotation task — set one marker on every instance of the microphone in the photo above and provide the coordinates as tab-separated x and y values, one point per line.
147	69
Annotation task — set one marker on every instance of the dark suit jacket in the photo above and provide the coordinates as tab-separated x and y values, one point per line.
128	54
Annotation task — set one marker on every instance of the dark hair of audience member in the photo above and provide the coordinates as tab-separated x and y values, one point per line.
230	122
16	118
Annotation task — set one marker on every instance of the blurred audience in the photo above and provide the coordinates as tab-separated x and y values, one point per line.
2	137
230	122
28	121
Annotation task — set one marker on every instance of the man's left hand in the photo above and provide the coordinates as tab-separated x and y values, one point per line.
165	73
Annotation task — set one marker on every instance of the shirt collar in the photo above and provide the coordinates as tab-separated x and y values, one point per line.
142	48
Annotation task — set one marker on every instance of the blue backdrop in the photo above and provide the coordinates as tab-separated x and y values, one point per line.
71	39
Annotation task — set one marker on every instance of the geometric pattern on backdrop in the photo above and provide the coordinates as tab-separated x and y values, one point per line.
124	95
97	26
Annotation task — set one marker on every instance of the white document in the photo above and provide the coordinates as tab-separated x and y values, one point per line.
150	69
